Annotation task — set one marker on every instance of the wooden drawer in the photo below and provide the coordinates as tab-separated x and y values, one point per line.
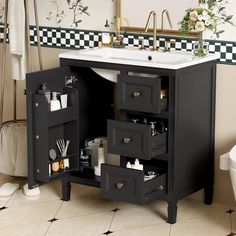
134	140
140	94
128	185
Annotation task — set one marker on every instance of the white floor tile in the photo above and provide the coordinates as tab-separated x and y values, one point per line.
48	192
192	208
131	216
38	229
89	225
84	206
218	225
162	230
27	214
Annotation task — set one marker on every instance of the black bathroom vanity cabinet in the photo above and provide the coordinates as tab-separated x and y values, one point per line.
182	155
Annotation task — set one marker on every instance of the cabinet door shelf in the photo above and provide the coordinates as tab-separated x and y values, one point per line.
59	158
62	116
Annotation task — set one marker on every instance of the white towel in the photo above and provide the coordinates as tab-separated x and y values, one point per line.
17	38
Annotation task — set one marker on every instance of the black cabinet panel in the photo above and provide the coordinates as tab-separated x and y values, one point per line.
45	127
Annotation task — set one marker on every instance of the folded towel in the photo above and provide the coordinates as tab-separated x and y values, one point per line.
17	38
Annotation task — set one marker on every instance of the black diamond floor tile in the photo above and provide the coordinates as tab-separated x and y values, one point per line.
115	209
108	232
230	211
52	220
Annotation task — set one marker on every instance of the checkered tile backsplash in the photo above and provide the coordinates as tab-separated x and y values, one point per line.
78	39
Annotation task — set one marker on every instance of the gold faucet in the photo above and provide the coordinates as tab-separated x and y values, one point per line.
168	18
154	15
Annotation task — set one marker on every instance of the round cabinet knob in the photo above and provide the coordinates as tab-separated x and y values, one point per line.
161	187
126	140
136	94
120	185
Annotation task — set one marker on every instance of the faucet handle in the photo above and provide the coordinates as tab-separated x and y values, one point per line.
141	43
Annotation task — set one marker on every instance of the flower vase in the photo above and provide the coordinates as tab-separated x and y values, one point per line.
200	48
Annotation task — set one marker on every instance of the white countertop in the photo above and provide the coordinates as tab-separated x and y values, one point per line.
135	57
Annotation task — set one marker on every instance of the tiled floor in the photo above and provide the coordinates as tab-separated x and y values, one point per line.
88	215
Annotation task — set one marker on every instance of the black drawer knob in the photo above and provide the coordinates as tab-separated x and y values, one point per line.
120	185
126	140
136	94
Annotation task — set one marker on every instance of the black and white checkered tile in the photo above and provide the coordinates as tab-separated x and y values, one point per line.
79	39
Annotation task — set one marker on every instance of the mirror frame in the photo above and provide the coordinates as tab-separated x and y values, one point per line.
133	29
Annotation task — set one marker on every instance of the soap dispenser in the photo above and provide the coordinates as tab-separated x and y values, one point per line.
55	103
106	36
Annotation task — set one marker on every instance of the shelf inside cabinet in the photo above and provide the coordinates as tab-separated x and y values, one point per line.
55	175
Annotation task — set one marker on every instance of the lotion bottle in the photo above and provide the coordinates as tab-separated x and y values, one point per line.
55	103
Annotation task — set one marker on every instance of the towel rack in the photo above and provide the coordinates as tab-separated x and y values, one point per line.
3	74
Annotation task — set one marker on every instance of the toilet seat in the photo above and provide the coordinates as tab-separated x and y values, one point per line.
232	156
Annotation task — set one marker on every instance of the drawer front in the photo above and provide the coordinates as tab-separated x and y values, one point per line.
122	184
139	93
134	140
128	185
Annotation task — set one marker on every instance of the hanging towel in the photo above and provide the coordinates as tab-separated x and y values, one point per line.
13	149
17	39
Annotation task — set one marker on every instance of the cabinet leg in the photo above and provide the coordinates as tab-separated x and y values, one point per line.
208	194
66	190
172	213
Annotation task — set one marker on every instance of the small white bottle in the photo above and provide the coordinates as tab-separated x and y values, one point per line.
137	165
55	103
101	155
101	159
128	165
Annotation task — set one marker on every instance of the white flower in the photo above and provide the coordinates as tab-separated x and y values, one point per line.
200	17
193	15
199	26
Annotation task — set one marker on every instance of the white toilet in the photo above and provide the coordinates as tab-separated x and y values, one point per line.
228	162
232	168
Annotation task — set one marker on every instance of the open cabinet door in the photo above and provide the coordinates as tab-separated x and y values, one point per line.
46	127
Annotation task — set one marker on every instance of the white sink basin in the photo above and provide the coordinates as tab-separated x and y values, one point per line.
135	57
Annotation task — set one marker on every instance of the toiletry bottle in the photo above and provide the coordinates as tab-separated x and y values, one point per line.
106	36
128	165
61	165
137	165
55	103
153	129
84	163
88	151
47	93
101	154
